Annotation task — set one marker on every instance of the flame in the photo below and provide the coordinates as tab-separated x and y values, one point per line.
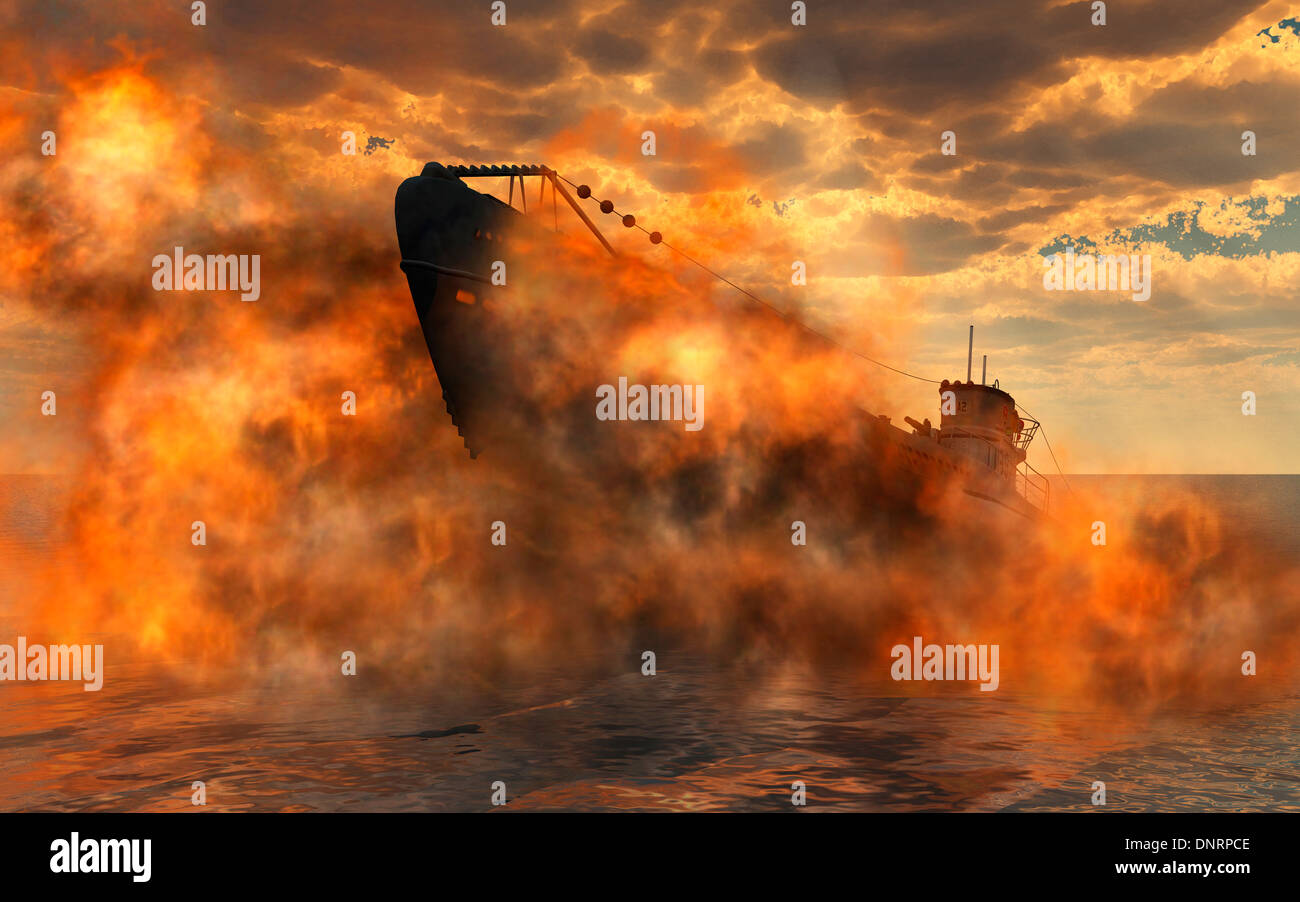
371	533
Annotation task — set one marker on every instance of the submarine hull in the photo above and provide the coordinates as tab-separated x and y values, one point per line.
450	235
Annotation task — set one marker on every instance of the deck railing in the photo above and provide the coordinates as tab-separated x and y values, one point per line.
1033	486
1026	434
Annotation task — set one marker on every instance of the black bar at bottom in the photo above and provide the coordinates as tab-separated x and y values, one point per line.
661	853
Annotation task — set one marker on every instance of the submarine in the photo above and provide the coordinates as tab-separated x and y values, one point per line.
451	237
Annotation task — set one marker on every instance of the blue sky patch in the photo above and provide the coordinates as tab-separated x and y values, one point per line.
1292	23
1182	232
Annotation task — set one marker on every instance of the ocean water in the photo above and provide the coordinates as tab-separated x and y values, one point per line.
1269	506
695	737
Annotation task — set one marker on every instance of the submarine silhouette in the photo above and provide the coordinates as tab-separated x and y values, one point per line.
450	236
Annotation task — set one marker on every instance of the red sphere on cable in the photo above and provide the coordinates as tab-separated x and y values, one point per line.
584	191
655	237
629	220
607	206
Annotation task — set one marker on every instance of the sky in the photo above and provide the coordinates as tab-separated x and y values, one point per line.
775	143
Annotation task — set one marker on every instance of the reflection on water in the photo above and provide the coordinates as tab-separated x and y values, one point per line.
28	508
692	737
687	738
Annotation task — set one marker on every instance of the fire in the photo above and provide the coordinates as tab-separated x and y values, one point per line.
128	148
326	532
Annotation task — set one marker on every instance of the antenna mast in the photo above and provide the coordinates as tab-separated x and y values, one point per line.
970	351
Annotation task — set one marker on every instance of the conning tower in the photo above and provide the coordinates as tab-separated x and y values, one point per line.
980	423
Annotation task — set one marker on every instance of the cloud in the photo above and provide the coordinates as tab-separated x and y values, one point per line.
916	245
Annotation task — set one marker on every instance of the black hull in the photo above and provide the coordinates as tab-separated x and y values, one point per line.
449	235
